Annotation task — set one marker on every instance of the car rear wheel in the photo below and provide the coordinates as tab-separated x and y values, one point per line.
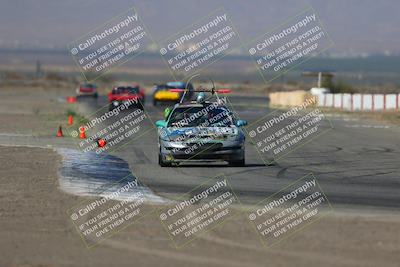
141	106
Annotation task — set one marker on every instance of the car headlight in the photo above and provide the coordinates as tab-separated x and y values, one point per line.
233	134
163	135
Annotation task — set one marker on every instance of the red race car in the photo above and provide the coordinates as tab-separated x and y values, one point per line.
87	89
122	94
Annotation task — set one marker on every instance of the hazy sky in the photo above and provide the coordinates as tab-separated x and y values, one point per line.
354	25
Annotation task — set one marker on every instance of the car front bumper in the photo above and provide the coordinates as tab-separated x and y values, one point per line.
229	151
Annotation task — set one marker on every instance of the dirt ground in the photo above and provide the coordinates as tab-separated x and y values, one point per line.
35	229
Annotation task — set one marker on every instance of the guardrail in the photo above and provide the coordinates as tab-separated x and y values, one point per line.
360	102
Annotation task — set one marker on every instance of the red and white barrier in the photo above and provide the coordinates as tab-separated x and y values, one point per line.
360	102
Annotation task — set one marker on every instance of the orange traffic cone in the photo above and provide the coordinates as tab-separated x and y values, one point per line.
82	134
101	142
59	132
71	99
70	120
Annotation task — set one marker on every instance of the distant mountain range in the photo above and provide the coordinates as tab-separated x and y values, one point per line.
356	26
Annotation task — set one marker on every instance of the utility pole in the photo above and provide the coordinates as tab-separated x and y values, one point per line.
38	69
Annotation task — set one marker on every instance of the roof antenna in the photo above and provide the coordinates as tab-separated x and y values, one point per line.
213	91
186	87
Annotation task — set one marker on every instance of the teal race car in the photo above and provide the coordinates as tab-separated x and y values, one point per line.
201	131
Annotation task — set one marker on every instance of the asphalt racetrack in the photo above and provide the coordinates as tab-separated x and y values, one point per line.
356	163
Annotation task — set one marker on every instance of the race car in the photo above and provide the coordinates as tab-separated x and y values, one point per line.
120	94
87	89
200	131
163	93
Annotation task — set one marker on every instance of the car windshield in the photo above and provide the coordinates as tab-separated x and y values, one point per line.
126	90
88	85
208	116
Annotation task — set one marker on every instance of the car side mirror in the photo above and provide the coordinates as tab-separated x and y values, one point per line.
161	124
240	123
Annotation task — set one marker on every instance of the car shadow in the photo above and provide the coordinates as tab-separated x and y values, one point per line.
205	165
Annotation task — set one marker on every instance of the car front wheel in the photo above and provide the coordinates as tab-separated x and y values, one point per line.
163	163
238	163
